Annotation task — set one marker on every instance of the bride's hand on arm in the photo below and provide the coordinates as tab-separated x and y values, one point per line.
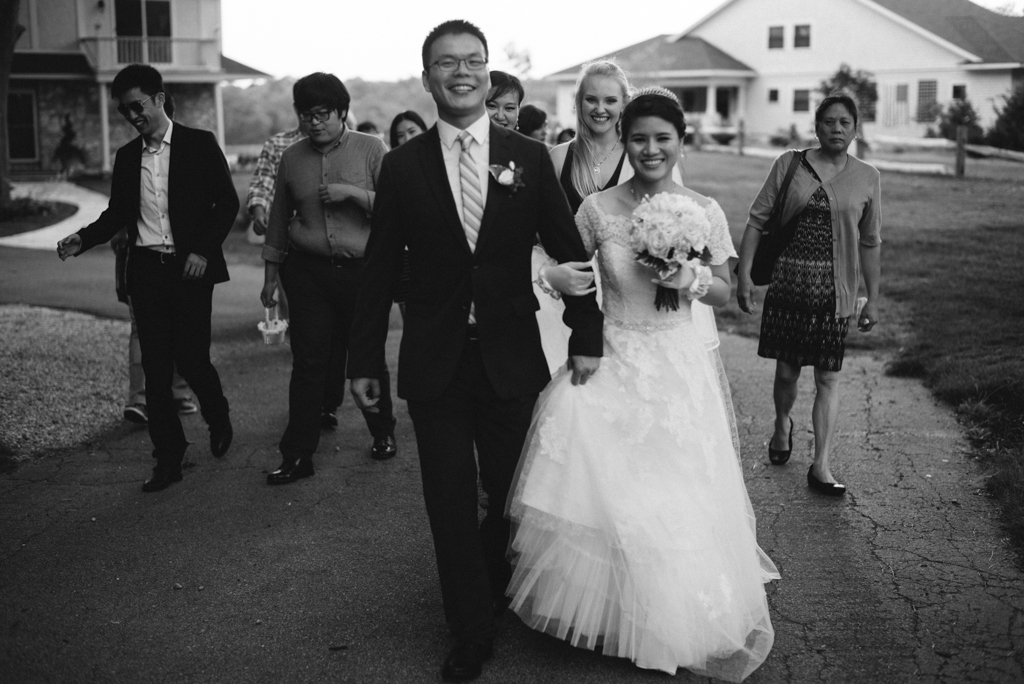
573	278
718	291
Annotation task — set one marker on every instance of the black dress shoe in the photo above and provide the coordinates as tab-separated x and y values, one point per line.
384	448
466	661
162	478
822	487
290	470
780	456
221	435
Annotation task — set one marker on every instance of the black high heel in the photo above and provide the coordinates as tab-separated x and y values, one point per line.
821	487
780	456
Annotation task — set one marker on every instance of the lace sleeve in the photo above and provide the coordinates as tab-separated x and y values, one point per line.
720	243
588	224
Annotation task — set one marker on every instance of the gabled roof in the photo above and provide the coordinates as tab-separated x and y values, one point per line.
659	55
993	37
236	70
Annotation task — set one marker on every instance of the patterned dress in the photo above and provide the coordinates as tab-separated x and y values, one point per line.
799	324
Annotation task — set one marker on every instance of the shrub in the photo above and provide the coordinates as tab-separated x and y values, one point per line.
960	113
1008	130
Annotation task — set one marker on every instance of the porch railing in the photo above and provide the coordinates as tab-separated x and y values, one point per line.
111	53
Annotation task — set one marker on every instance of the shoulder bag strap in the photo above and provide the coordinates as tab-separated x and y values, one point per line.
780	199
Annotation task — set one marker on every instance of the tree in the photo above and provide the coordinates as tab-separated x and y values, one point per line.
520	60
10	31
859	84
1008	130
960	113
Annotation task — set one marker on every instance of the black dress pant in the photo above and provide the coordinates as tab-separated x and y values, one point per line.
471	557
321	302
173	319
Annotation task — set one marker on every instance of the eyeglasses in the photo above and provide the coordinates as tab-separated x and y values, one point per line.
134	107
473	63
320	116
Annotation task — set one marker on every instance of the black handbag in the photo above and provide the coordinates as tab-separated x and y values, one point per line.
775	237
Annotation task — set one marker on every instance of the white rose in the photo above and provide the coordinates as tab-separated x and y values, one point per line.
506	177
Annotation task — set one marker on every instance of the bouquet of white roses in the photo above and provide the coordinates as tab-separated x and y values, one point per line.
668	231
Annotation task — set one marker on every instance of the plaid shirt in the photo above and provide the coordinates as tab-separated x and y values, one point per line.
261	189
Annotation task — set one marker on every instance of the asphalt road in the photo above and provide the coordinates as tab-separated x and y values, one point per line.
223	579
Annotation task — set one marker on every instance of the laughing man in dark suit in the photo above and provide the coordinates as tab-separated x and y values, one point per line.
468	199
172	190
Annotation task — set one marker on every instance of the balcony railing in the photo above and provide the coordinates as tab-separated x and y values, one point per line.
190	54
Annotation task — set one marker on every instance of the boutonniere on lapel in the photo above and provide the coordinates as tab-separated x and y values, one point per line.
510	176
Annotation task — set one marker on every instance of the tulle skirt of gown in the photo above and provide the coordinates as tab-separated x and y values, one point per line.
632	526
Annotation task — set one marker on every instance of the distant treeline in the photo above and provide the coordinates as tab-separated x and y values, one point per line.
253	114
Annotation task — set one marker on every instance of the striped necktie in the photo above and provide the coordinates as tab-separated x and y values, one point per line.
472	197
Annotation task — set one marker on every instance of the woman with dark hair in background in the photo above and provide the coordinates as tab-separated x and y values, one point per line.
504	98
633	529
533	122
836	200
405	126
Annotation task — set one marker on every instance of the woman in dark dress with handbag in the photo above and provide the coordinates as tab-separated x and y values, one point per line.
835	200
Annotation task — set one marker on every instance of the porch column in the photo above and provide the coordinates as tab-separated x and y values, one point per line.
105	126
218	101
709	103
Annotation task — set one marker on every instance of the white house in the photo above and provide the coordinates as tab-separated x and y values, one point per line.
762	61
68	52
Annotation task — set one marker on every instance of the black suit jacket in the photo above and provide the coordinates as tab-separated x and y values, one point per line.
201	198
415	208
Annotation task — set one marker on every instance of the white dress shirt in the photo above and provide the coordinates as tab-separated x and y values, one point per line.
154	224
480	150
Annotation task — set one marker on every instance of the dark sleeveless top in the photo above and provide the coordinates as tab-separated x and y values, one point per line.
566	178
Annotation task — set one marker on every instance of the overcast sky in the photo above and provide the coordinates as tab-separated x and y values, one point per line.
381	40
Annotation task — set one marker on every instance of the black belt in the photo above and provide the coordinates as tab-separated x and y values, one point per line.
166	258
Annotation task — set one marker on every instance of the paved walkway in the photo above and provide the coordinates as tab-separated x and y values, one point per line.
223	579
90	205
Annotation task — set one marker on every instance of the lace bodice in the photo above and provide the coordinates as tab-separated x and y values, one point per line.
626	287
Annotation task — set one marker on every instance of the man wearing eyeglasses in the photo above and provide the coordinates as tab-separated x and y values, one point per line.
316	239
172	190
471	362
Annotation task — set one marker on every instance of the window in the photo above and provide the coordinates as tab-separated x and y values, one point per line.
802	36
136	21
927	102
959	92
801	100
21	126
775	38
693	99
902	93
773	95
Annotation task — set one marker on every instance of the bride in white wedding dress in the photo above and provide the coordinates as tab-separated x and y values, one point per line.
633	532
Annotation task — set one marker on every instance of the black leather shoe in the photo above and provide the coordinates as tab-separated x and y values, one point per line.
290	470
822	487
328	420
162	478
780	456
384	448
221	435
466	661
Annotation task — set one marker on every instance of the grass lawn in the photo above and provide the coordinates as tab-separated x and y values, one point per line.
952	299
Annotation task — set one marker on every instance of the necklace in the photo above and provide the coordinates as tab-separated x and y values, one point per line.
597	166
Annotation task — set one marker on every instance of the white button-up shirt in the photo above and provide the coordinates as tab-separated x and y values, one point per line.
480	150
154	224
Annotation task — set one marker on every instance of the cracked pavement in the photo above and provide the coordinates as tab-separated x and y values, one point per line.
221	578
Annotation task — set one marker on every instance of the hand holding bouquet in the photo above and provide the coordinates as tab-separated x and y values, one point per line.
668	232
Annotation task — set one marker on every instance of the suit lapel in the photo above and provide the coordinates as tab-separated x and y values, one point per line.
436	175
134	178
500	153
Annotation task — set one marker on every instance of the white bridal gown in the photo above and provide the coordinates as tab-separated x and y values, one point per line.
633	531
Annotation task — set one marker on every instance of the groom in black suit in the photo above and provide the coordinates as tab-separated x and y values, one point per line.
471	363
172	190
